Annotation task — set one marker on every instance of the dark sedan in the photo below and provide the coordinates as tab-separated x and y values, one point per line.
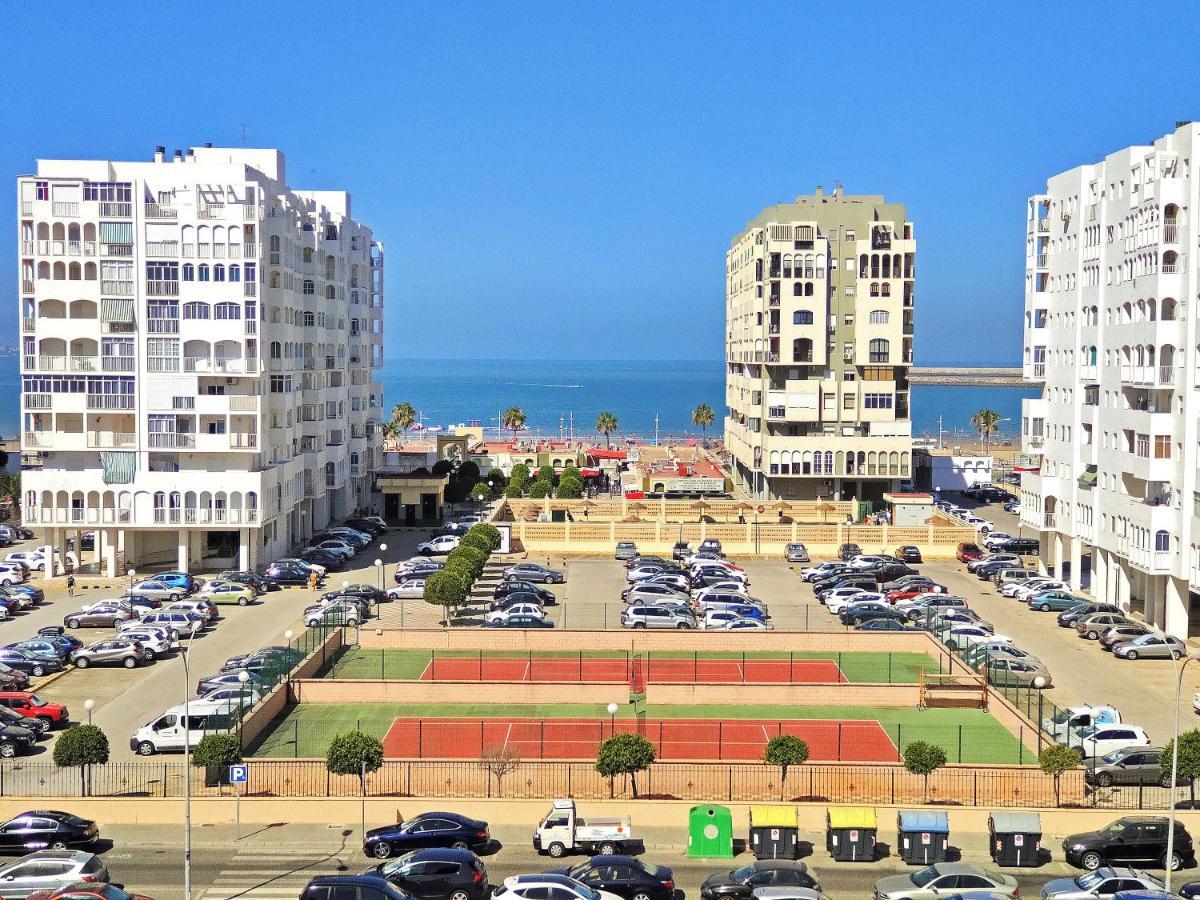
330	562
858	613
30	665
365	591
908	554
504	588
437	874
432	829
246	577
521	620
46	829
288	573
1068	618
625	876
740	883
882	625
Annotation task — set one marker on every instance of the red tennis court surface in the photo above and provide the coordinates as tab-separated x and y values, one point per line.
674	739
582	669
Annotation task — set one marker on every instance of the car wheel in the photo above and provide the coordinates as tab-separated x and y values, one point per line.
1104	779
425	551
460	845
1132	654
150	655
639	624
640	895
1176	862
81	663
381	850
460	895
313	623
242	601
1091	861
129	662
7	751
1174	654
556	850
682	626
72	623
1045	607
38	671
608	848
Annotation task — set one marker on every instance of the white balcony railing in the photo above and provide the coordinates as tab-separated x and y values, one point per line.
112	439
67	209
116	288
171	440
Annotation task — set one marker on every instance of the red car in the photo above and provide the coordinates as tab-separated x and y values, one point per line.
912	591
967	552
83	890
34	707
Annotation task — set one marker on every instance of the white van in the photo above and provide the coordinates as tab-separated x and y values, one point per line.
167	733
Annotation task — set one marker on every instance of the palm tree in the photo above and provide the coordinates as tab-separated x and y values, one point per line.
986	422
513	418
404	417
10	489
703	416
606	424
390	430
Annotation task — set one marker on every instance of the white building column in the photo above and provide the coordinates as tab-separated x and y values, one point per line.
1076	564
1176	612
184	544
1122	591
1058	555
110	552
245	537
52	538
1045	551
1100	575
97	555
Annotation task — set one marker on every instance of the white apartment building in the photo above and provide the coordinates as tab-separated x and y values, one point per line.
199	350
1111	329
819	330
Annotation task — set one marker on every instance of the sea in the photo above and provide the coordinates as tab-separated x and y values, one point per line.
560	395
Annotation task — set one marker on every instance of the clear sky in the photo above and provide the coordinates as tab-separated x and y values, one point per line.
562	179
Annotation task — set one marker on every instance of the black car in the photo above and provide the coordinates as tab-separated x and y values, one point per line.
1022	546
432	829
681	550
46	829
287	573
846	579
329	561
1133	839
1068	618
625	876
367	526
909	554
40	727
890	571
987	570
362	887
504	588
740	883
645	561
36	666
847	552
23	534
882	625
869	612
15	741
250	579
438	874
364	591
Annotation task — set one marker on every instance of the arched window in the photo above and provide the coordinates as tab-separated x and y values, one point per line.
802	317
218	273
204	272
886	289
802	350
879	351
275	243
195	311
1162	541
874	288
227	311
189	272
276	350
798	289
235	273
808	289
878	317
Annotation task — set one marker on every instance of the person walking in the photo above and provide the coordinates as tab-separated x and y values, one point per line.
312	580
70	585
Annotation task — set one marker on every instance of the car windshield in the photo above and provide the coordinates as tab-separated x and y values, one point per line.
926	875
1091	879
1115	756
740	875
1113	828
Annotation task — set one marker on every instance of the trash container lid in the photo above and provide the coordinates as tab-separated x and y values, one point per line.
851	817
1016	823
711	810
924	820
773	817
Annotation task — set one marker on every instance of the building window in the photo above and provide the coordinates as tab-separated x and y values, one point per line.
195	311
879	352
204	273
877	401
218	273
189	272
802	317
1162	541
1162	446
227	311
878	317
847	401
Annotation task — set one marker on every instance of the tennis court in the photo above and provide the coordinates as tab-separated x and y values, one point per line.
633	670
673	739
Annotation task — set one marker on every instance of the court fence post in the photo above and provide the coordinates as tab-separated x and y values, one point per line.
481	664
542	741
743	667
730	771
1020	746
720	739
695	666
841	671
899	751
792	663
420	738
839	742
381	670
893	774
661	724
581	667
960	728
433	665
889	668
481	727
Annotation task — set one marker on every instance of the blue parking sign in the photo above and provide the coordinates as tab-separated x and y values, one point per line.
237	774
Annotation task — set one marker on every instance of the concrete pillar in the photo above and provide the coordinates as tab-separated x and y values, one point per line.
110	552
1176	613
1100	575
1058	555
1045	551
195	550
97	555
1076	564
52	538
184	544
1122	592
245	537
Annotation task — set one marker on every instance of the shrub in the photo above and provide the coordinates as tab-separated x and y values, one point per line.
469	471
354	753
785	750
447	590
1189	759
513	490
540	488
480	492
1057	759
490	531
624	754
82	746
217	752
443	467
922	758
520	474
569	489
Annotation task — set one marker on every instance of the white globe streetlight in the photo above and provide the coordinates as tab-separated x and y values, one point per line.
89	704
612	719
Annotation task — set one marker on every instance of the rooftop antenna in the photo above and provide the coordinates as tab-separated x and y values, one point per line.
243	134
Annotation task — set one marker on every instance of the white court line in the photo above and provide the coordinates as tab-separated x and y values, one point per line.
507	734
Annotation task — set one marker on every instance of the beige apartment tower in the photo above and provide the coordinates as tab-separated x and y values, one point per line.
819	329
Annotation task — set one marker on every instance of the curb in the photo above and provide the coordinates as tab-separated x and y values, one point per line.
50	679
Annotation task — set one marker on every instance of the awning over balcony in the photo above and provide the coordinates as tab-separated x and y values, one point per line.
1088	478
116	310
119	468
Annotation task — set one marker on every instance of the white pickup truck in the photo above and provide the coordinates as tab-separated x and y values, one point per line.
562	831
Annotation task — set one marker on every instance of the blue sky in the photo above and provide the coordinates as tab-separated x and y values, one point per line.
562	180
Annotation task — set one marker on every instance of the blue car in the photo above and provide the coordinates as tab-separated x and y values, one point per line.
35	594
42	647
747	611
432	829
178	579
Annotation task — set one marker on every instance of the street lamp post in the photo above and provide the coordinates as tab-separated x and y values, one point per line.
287	637
187	774
89	704
612	719
130	573
378	583
243	677
1191	657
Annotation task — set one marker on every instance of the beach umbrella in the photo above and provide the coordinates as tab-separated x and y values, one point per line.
631	519
825	508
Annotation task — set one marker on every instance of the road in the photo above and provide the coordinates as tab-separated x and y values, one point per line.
275	862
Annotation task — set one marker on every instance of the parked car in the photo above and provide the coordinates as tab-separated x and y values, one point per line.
1130	839
1014	574
1021	546
341	548
641	591
681	550
100	614
1141	766
15	740
1101	740
332	615
1126	631
1054	601
437	874
1018	673
993	539
968	551
408	589
228	592
34	707
739	883
47	829
560	887
226	680
1091	627
882	625
746	623
962	635
796	553
644	615
625	876
908	554
159	588
360	887
940	879
1068	618
321	560
533	572
626	550
847	552
36	666
432	829
43	647
179	622
50	870
520	620
294	573
857	613
118	651
1150	646
1104	884
823	570
439	546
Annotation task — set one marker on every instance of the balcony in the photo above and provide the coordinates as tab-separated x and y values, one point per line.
171	440
243	404
1165	376
116	288
161	289
249	289
110	401
118	210
211	211
162	248
246	441
111	440
159	211
38	439
1170	233
37	401
66	210
26	285
1043	225
1041	262
238	366
162	326
116	249
117	363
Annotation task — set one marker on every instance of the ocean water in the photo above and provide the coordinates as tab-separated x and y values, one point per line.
553	392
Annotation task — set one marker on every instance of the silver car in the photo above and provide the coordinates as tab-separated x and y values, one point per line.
944	878
118	651
154	589
1008	672
652	593
50	870
644	615
796	553
156	642
1102	884
626	550
1151	646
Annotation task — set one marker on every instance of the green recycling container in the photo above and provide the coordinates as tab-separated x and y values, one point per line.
710	831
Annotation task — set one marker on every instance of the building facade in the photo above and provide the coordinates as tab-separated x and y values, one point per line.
200	348
1110	330
819	332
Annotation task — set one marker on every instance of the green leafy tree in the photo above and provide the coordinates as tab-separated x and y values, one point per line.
477	540
1056	760
785	750
520	475
489	531
546	473
495	477
354	753
480	492
390	431
83	746
540	488
471	556
606	424
513	419
513	491
404	417
498	762
703	416
569	489
1189	760
216	753
986	421
443	467
469	470
625	754
923	758
445	589
456	490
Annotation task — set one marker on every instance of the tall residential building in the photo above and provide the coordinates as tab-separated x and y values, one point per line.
1110	328
199	345
819	331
